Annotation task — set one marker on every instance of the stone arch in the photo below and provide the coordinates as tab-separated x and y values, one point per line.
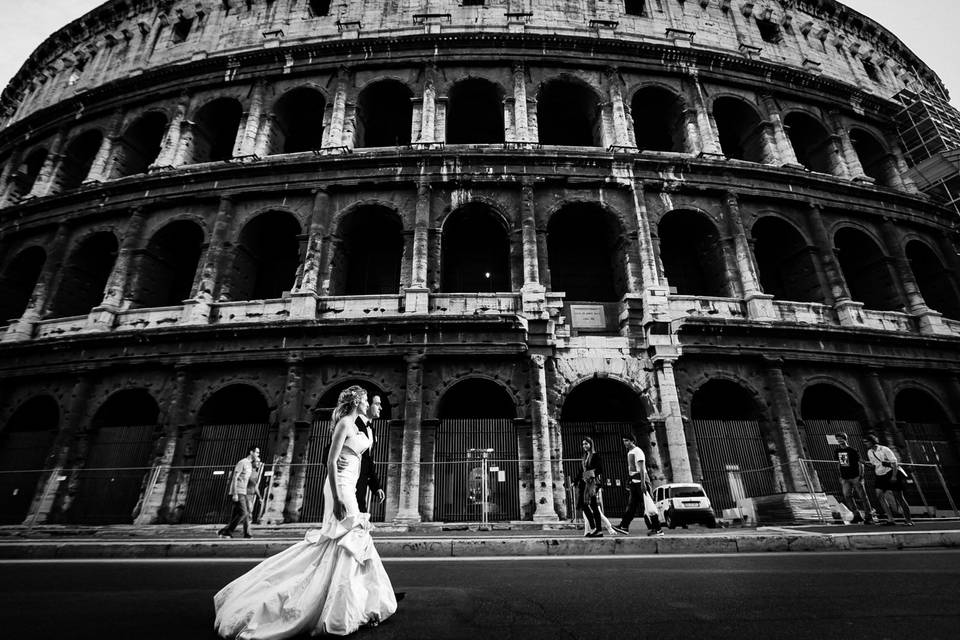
829	400
874	156
234	402
84	276
327	400
18	280
368	251
22	182
812	142
298	121
476	396
384	114
475	250
914	404
865	269
215	128
587	252
25	442
691	254
658	119
740	129
475	112
266	257
937	284
568	113
139	145
78	157
785	261
167	267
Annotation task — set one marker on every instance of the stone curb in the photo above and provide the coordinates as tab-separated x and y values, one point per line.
490	547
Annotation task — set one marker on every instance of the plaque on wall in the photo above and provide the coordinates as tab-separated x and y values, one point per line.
588	316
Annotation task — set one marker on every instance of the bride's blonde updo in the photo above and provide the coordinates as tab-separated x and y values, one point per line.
349	398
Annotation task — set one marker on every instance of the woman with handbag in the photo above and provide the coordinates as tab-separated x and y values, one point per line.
587	487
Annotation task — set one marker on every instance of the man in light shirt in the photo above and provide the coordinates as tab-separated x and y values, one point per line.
888	479
243	491
637	468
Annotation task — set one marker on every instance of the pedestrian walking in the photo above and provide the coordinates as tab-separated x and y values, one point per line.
639	492
588	484
368	479
851	478
889	479
243	491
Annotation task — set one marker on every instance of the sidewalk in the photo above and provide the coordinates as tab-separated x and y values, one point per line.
450	541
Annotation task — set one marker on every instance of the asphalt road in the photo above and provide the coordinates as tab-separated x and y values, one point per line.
888	594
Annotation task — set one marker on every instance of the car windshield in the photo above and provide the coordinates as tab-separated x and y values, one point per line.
686	492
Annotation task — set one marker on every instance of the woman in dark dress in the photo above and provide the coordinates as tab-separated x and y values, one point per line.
591	468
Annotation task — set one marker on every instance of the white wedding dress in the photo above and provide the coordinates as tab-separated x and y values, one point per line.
332	582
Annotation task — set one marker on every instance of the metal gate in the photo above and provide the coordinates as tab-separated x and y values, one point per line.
608	442
458	475
22	454
734	461
928	443
316	470
109	485
219	449
819	450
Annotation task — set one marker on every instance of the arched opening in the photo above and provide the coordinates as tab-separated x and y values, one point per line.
733	446
384	114
785	261
266	257
740	130
811	142
139	146
587	258
866	271
77	159
930	440
168	265
475	113
18	281
605	410
476	251
691	255
826	410
299	121
568	113
476	414
215	130
937	285
84	279
317	449
229	422
23	180
116	455
658	120
874	158
367	258
25	443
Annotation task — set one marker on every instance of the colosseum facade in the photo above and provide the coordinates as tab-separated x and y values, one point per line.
520	222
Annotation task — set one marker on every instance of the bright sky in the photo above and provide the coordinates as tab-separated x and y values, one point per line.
928	27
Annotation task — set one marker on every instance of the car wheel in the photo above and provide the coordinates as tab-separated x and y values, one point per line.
669	519
711	522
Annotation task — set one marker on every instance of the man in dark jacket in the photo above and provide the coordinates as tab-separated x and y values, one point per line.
368	473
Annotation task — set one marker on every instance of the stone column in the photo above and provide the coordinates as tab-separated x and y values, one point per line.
184	152
929	321
900	168
886	423
48	487
43	289
171	138
849	312
153	508
428	109
306	289
673	421
621	132
101	166
528	222
288	416
521	131
787	429
247	139
707	134
759	304
333	135
409	508
265	133
210	274
781	141
838	163
417	295
44	184
8	175
543	482
854	168
115	295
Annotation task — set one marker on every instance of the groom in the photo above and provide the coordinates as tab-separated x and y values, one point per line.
368	473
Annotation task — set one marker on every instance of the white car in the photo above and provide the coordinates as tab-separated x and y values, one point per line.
683	503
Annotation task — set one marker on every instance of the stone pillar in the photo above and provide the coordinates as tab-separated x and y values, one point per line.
709	140
528	222
781	141
306	288
101	166
184	152
838	163
115	295
409	507
854	168
8	175
929	321
673	421
649	274
152	508
847	310
543	482
886	424
428	109
44	184
900	168
22	329
333	135
788	431
265	132
171	138
212	266
246	141
621	132
48	488
417	295
521	130
759	305
288	416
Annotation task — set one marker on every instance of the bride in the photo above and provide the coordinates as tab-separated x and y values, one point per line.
333	581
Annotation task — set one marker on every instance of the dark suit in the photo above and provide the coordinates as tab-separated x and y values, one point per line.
368	474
